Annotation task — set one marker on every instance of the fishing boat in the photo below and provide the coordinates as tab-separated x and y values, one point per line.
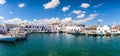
108	34
77	33
7	38
115	33
92	34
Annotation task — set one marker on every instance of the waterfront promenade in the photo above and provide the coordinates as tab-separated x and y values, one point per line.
19	31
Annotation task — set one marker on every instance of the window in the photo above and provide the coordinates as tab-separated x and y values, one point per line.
99	29
29	26
37	27
26	26
3	27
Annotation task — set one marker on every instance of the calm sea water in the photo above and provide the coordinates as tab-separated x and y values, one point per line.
62	45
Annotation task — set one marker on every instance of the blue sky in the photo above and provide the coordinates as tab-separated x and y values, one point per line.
80	11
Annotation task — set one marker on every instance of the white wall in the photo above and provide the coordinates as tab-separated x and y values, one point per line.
73	28
105	29
3	29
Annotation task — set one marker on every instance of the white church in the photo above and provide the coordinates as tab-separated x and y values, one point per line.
103	29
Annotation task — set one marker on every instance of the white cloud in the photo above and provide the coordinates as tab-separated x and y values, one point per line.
66	8
2	2
47	21
2	18
21	5
34	20
51	4
69	14
53	20
85	5
14	21
67	20
97	5
76	11
10	12
90	17
25	21
81	16
83	12
100	20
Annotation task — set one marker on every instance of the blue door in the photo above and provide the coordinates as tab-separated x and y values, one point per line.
100	32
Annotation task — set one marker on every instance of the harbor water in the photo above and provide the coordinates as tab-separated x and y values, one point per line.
62	44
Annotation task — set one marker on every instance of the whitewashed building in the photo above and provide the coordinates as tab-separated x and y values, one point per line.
3	29
115	29
33	27
103	30
106	28
54	27
74	28
10	26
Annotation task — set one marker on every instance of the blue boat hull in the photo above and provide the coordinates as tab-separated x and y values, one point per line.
8	39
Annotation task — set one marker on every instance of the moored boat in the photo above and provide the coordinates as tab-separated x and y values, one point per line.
7	38
115	33
78	33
